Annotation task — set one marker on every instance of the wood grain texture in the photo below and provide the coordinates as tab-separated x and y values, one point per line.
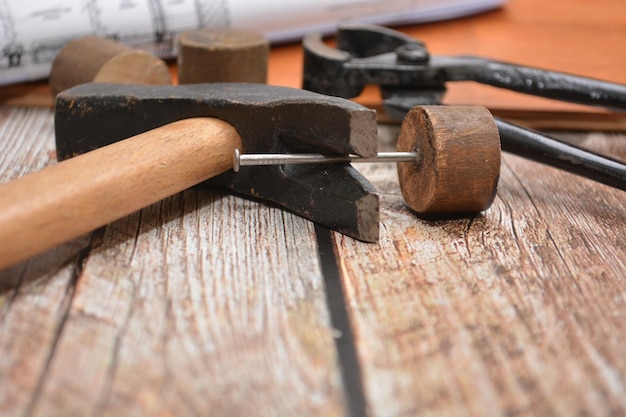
202	304
518	311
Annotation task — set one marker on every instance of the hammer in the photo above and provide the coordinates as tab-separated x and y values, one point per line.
176	137
181	136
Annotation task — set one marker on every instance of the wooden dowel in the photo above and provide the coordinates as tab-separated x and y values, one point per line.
101	60
66	200
210	55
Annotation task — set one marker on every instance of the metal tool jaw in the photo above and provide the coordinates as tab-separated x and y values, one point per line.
408	75
268	119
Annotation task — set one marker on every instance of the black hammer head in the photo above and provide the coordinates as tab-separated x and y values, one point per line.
269	120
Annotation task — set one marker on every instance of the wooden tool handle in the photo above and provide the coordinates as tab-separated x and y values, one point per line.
63	201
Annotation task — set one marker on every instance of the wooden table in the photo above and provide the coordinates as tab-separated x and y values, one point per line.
210	304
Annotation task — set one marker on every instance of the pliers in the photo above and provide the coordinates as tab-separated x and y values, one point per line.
408	75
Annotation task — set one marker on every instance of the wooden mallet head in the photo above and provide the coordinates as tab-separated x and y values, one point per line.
212	55
458	166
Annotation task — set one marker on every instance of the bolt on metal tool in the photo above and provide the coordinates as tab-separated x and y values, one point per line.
408	76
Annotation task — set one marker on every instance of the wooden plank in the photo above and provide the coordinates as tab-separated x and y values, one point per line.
34	296
209	304
203	304
516	311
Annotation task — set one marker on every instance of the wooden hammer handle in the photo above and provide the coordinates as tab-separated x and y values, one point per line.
63	201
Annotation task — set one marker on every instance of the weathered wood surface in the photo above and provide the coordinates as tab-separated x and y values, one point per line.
208	304
519	311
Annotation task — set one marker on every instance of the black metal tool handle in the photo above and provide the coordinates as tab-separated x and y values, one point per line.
544	83
538	147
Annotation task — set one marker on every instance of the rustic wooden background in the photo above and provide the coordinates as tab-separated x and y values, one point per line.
210	304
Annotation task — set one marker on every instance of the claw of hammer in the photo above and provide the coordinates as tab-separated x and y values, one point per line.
268	119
